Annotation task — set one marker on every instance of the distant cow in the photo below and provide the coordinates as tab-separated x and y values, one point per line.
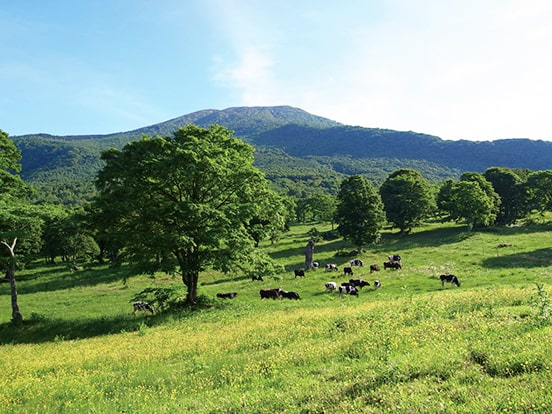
315	265
299	272
358	283
394	258
392	265
348	290
270	293
253	278
330	267
504	245
377	284
230	295
374	268
453	280
143	306
290	295
330	286
347	271
356	262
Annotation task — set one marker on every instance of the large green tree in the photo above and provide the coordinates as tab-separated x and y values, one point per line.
20	225
539	191
510	186
471	203
184	203
408	199
359	213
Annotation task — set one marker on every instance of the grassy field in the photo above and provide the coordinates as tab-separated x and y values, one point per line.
409	347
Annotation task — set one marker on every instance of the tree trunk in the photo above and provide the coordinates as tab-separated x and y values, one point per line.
190	279
309	253
10	274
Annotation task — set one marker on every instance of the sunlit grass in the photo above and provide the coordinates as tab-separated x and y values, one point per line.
411	346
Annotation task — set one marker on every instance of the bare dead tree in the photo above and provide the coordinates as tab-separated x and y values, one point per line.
10	275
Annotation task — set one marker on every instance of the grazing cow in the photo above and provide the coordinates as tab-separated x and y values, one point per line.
453	280
377	284
290	295
356	262
315	265
347	271
394	258
143	306
331	286
270	293
299	272
392	265
253	278
230	295
501	245
348	290
358	283
374	268
330	267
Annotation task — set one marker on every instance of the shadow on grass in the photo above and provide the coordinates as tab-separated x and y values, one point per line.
65	279
40	329
536	258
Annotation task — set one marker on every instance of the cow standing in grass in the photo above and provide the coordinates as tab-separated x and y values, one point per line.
143	306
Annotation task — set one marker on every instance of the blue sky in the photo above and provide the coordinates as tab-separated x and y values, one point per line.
457	69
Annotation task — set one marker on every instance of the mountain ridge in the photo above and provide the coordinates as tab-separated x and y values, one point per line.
315	147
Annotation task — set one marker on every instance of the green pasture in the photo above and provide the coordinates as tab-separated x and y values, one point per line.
410	347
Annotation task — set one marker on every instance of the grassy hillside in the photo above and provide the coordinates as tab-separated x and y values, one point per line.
411	346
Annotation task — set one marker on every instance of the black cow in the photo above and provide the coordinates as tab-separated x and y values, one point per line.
392	265
358	283
299	272
230	295
270	293
348	290
253	278
290	295
374	268
347	271
453	280
143	306
356	262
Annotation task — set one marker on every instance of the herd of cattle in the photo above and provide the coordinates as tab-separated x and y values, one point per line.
352	287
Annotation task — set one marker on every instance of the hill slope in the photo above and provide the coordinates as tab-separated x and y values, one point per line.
333	150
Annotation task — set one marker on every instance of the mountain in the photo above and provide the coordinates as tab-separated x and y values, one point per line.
299	152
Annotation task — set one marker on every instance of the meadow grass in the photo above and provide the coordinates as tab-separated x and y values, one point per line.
411	346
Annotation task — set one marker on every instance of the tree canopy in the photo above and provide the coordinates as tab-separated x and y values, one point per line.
408	199
359	214
184	203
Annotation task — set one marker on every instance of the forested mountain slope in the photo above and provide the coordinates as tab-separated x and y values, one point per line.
293	147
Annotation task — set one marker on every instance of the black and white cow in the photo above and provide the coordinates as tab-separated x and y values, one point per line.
394	258
330	286
230	295
330	267
453	280
299	272
348	271
270	293
377	284
360	283
143	306
356	262
290	295
253	278
348	290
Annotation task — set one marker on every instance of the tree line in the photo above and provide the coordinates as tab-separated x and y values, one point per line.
194	200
